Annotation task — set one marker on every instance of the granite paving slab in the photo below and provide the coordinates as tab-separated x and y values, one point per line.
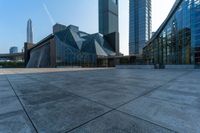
64	115
117	122
61	100
15	122
180	118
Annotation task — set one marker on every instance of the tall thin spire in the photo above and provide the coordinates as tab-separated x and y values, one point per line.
29	32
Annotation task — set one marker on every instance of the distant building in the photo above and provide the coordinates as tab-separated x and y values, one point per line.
29	42
140	25
109	21
14	57
177	41
68	46
13	50
29	32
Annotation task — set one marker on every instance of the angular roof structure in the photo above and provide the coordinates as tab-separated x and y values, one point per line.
84	42
68	45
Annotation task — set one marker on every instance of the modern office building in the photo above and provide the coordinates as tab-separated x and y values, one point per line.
29	32
177	41
108	16
68	46
109	22
140	25
13	50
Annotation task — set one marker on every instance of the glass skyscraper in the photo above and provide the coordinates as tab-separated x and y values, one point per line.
109	22
140	25
108	16
177	41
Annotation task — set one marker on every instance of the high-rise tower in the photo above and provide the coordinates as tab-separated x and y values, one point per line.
29	32
140	25
109	22
108	16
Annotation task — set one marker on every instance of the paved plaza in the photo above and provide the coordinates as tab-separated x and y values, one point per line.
79	100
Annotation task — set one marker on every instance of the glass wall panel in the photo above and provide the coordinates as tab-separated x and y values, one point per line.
179	40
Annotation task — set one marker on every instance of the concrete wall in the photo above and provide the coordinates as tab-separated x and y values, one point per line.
179	66
135	66
153	67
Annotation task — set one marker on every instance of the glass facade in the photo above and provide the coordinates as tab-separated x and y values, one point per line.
68	46
140	25
68	53
74	47
177	41
108	16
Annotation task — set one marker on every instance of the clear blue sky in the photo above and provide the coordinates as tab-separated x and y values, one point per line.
83	13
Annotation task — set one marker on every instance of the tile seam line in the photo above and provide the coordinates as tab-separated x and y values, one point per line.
154	89
75	94
67	131
110	108
116	109
110	111
146	120
22	106
185	73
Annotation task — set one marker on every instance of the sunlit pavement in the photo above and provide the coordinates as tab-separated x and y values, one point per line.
99	101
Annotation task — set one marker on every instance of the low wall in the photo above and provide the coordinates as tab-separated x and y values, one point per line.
153	67
68	67
179	66
135	66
